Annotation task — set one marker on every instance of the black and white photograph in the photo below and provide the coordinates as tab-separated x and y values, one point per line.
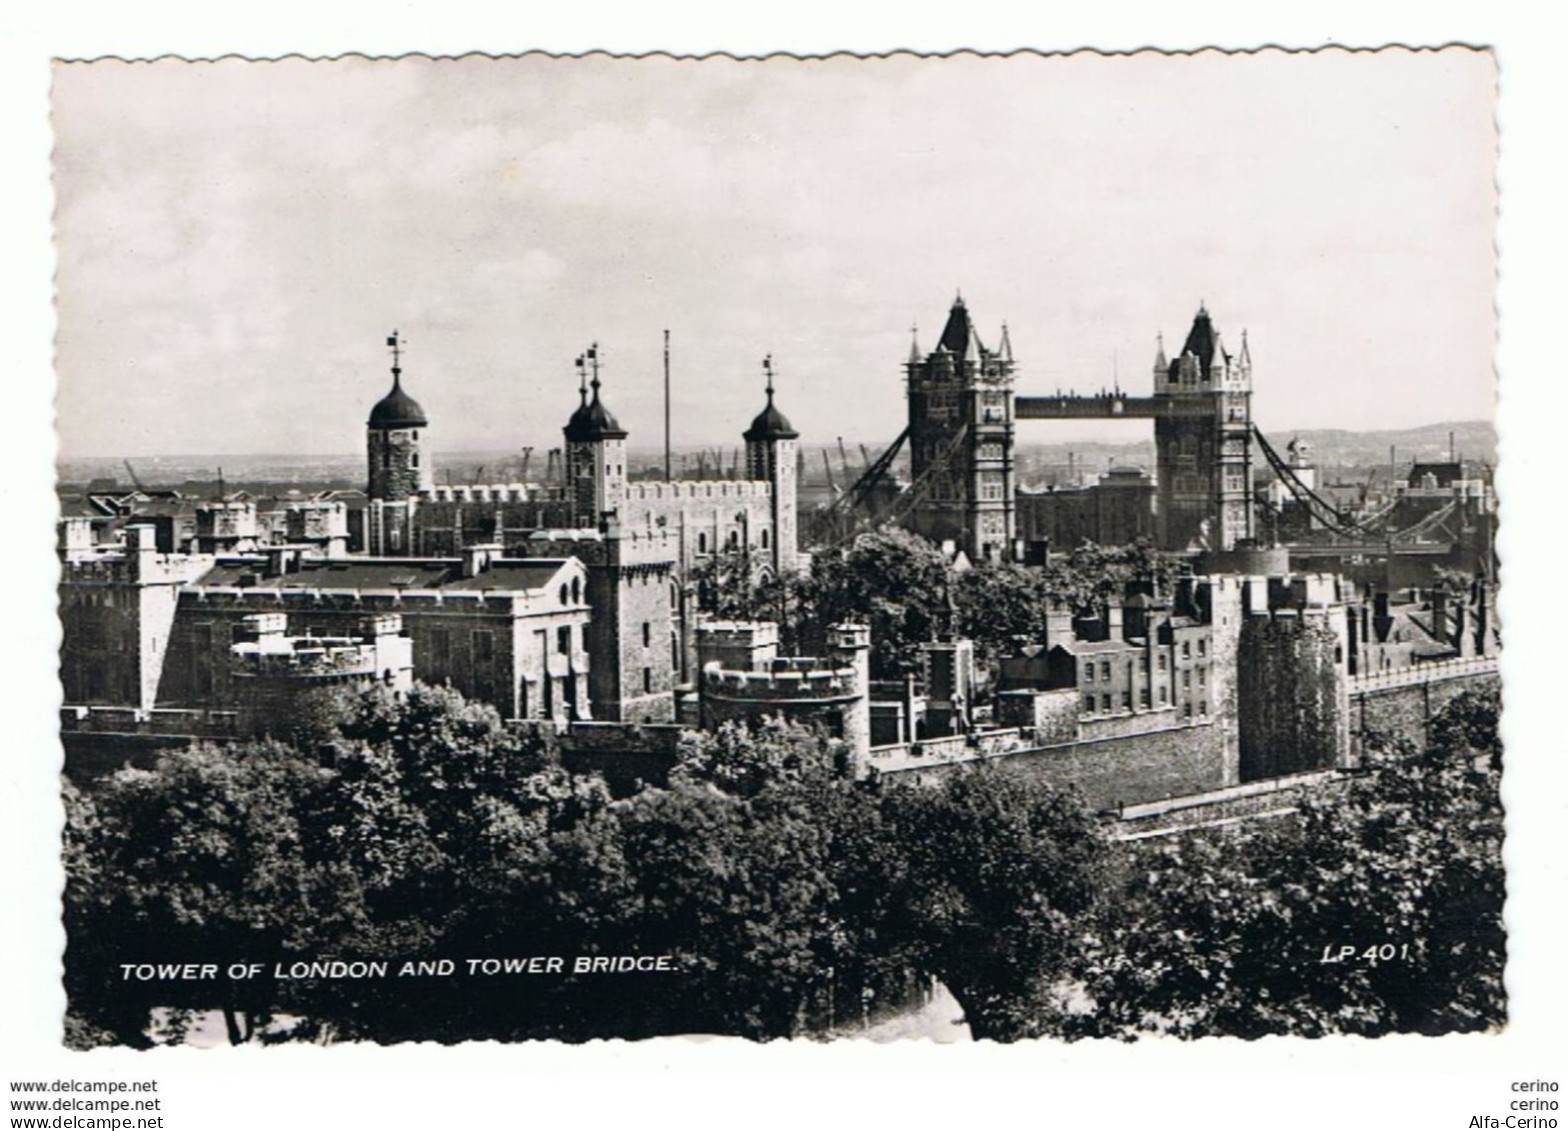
946	548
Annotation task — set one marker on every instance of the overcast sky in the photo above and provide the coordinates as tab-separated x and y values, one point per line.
236	240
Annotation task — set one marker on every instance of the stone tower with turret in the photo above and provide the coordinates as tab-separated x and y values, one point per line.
961	440
595	464
1203	441
399	469
771	456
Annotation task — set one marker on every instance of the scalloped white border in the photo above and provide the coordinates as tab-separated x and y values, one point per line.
1414	1082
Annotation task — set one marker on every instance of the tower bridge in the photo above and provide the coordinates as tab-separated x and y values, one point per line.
962	415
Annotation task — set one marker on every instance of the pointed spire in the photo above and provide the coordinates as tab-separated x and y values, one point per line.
914	345
582	380
1246	353
1161	364
958	299
1004	349
767	368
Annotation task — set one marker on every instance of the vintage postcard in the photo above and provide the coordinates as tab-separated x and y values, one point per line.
972	547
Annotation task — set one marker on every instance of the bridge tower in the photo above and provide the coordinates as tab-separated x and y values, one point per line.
961	440
1203	441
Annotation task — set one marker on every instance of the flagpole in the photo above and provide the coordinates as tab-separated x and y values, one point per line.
667	476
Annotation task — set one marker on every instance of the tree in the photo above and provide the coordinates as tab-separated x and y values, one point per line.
1000	604
209	857
1002	871
1238	932
736	587
892	580
743	762
1091	574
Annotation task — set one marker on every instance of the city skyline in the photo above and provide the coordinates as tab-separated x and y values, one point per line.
235	243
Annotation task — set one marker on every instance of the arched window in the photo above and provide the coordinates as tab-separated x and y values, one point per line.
764	537
702	543
564	592
577	591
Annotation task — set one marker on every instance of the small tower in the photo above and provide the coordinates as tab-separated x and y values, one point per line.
398	470
595	449
771	456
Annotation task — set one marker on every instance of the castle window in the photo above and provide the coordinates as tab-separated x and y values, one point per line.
1164	695
413	459
702	543
1143	698
1203	645
1126	700
563	640
1186	649
764	537
1088	704
1105	703
734	540
1088	672
565	592
647	634
1203	674
1186	710
1186	678
577	591
1105	670
1162	661
1203	707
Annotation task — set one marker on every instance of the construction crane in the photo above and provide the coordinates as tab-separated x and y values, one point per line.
129	470
827	465
865	457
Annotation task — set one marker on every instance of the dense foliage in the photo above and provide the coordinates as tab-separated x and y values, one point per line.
906	590
788	898
1378	910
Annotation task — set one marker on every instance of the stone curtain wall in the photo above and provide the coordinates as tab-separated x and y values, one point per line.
1403	707
1109	772
1127	771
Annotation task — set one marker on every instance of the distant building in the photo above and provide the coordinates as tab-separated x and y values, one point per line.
1115	511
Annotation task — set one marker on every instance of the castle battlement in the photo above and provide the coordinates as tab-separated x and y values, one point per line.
482	493
696	490
783	682
261	593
